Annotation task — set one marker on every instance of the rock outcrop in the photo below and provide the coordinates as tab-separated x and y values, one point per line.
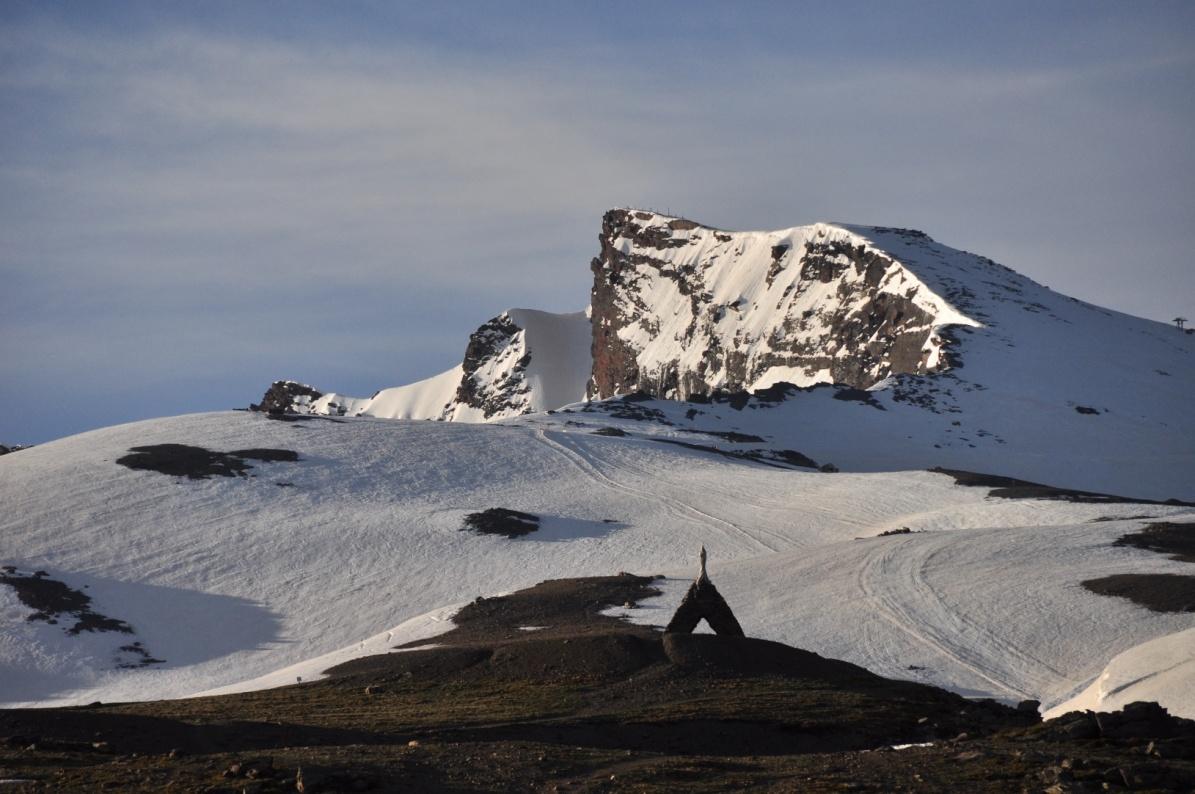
680	309
287	396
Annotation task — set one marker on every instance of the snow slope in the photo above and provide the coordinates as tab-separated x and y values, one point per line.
520	362
239	582
1162	670
968	363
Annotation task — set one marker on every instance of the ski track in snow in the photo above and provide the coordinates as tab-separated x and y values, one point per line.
894	570
587	465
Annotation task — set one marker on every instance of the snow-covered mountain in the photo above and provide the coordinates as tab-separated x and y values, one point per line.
967	364
774	396
682	309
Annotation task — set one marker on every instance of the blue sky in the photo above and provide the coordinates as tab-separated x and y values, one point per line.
196	199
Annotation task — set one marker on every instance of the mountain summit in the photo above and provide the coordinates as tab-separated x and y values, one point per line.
681	309
970	364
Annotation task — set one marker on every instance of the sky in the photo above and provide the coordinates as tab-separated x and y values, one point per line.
197	199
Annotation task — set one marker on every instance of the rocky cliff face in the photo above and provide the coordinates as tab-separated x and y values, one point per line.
495	363
679	309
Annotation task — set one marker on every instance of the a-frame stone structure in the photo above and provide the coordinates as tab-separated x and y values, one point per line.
704	601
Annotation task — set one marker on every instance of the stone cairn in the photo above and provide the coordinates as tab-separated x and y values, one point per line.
704	601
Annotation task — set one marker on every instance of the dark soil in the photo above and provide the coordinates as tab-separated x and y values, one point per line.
589	704
1012	488
197	463
502	521
1161	592
53	601
1164	537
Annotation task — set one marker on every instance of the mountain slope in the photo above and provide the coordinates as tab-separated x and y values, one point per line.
519	362
230	578
969	364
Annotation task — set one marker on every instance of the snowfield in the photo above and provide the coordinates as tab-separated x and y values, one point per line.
249	582
942	359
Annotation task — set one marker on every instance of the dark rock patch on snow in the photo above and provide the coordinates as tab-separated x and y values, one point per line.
776	458
284	395
134	655
1159	592
628	407
197	463
1012	488
502	521
1084	409
562	606
851	394
728	435
53	601
1164	537
610	431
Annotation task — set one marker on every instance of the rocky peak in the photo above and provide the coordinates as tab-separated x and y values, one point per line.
287	396
681	309
496	359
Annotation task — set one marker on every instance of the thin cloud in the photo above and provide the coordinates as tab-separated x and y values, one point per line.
165	194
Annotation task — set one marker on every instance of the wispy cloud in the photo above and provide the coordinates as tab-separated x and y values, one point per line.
351	210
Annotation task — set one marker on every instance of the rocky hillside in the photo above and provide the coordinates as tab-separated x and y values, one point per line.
682	309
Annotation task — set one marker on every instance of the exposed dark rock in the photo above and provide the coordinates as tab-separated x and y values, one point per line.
284	396
1164	537
870	333
609	431
628	407
728	435
197	463
52	601
850	394
1160	592
1083	409
496	344
1138	720
776	458
502	521
134	656
1012	488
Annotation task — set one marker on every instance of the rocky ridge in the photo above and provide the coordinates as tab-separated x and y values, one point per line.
681	309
